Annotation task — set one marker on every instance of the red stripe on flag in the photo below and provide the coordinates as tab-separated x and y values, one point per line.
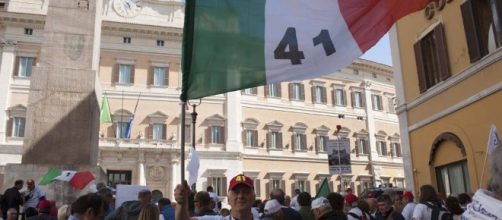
81	179
369	20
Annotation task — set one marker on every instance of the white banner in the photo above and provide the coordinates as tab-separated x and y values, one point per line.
339	156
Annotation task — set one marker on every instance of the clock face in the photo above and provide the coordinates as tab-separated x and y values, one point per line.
127	8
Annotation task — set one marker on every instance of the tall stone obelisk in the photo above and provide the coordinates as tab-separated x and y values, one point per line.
63	111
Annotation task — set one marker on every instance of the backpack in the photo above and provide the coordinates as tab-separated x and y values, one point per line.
439	212
362	217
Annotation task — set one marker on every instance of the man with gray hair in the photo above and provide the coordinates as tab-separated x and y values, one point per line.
486	204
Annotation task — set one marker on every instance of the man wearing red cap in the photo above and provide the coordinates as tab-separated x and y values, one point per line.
44	208
241	197
409	205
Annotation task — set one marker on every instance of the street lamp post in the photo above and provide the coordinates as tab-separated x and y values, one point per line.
338	127
194	119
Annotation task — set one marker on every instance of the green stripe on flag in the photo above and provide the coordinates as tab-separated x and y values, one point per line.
50	176
223	48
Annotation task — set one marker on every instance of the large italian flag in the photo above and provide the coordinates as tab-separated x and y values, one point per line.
235	44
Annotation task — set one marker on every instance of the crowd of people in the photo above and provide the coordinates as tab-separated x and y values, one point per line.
205	205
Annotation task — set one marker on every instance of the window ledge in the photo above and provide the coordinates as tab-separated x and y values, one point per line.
322	152
300	151
123	84
273	97
274	149
160	87
14	138
22	77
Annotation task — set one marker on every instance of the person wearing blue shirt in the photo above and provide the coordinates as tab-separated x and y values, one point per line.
166	209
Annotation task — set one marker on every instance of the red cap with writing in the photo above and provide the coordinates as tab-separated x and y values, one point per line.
240	179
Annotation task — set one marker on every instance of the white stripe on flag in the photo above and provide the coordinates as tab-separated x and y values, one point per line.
493	139
66	175
322	36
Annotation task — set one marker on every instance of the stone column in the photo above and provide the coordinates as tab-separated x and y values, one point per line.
141	169
233	120
175	176
370	125
6	70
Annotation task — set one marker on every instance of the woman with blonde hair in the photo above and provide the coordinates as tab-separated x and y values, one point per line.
64	212
149	212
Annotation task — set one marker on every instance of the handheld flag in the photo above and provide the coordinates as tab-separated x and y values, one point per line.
50	176
81	179
323	189
193	167
66	175
104	115
268	41
493	139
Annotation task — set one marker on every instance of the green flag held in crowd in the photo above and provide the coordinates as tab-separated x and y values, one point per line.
323	189
50	176
104	115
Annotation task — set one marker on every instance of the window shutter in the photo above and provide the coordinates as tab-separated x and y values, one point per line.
304	142
115	73
378	148
324	96
473	37
317	140
10	123
267	88
164	132
255	138
188	134
380	103
34	63
442	51
16	67
293	143
290	86
302	92
373	100
208	135
279	139
257	188
357	147
269	140
224	186
333	97
419	59
363	100
131	79
283	185
244	137
313	88
353	97
279	90
166	76
149	132
268	188
150	76
222	135
344	98
307	186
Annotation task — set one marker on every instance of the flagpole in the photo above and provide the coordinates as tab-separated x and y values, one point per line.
484	168
182	160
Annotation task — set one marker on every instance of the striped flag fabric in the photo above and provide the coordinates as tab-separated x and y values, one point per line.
493	139
104	114
66	175
236	44
50	176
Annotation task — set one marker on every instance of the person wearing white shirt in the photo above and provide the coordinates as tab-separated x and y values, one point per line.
428	199
215	198
409	205
33	195
241	197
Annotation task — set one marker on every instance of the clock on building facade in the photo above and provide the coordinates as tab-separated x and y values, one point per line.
127	8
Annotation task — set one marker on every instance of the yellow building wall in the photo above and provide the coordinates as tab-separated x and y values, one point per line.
472	125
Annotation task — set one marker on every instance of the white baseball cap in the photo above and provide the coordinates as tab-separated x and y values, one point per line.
271	207
320	203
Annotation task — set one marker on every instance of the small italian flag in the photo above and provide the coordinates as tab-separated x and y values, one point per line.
235	44
77	180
